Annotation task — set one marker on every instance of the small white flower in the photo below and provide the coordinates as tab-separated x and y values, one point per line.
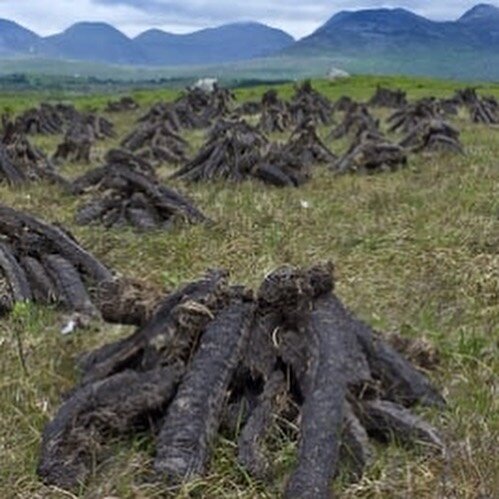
304	204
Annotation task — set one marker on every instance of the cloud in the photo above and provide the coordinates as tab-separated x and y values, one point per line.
49	16
299	17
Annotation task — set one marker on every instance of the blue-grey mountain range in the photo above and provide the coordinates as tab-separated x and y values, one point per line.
373	40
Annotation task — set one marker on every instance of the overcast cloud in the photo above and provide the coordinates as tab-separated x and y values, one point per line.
298	17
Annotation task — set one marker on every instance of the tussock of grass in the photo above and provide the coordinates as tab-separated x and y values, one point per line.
416	251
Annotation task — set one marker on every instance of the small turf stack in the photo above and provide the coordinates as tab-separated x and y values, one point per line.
119	157
44	263
357	119
51	120
482	109
293	355
22	162
281	167
45	120
344	104
432	136
77	145
248	108
308	104
213	104
157	142
236	151
232	152
275	115
410	116
195	109
306	145
124	194
385	97
371	153
122	105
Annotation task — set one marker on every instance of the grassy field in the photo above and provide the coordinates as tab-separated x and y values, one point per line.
416	251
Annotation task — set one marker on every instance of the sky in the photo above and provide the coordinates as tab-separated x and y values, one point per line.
297	17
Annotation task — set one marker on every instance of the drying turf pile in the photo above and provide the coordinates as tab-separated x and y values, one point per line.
122	105
483	110
195	109
77	145
156	141
433	135
44	263
385	97
275	116
22	162
52	120
232	151
308	104
371	152
125	191
237	151
306	145
356	119
214	354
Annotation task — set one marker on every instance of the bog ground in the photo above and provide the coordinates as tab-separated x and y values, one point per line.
416	251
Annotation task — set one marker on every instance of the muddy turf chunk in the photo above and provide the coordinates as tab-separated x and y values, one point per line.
393	421
19	285
191	423
163	336
356	452
401	382
42	286
114	406
15	224
250	443
69	285
336	362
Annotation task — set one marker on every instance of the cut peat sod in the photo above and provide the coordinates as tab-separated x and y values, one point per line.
292	354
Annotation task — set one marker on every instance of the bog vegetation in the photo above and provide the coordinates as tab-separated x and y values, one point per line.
415	249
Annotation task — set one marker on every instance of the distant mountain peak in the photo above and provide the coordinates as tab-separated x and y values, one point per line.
480	12
227	43
380	16
374	13
6	24
87	26
14	38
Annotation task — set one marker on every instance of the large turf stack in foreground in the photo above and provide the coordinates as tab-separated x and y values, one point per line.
215	354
